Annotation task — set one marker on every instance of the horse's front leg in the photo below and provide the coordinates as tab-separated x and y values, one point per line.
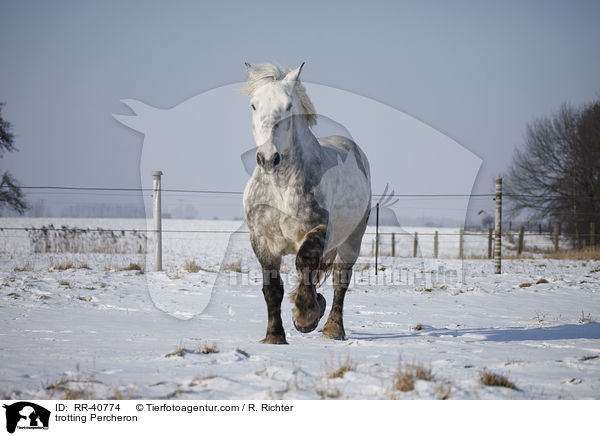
309	306
273	293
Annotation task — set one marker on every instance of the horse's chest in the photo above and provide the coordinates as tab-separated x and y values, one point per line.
287	213
298	212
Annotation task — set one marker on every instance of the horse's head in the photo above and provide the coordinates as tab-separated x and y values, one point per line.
277	100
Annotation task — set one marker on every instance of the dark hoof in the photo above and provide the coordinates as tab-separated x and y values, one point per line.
322	303
313	325
307	329
274	339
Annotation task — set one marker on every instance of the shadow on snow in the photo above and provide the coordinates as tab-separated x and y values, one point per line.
560	332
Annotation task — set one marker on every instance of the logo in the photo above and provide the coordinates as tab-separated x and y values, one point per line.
26	415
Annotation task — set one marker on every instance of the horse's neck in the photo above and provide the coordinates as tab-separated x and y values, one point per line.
303	161
306	151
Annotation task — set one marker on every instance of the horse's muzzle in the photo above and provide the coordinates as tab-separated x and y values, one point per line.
268	164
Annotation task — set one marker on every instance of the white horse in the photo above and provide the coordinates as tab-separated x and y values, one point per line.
307	196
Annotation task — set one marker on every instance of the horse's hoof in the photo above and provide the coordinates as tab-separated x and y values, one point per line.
334	331
313	325
322	303
274	339
306	329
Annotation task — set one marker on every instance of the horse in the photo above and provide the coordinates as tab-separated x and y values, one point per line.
308	196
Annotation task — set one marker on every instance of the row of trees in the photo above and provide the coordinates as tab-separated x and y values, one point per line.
556	175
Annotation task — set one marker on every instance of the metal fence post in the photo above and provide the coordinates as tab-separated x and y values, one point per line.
156	191
377	239
498	228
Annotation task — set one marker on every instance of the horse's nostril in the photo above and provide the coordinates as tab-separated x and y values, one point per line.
268	163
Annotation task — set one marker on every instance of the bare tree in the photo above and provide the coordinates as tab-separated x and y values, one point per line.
556	176
11	195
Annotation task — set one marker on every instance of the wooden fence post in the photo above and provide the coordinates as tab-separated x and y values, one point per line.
461	238
436	244
415	244
156	194
393	245
490	243
556	233
498	228
521	236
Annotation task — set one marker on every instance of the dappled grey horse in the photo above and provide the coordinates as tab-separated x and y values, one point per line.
307	196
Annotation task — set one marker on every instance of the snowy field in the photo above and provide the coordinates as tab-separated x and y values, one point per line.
86	323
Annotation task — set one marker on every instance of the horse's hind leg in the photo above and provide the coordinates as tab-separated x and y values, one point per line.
342	273
334	327
308	305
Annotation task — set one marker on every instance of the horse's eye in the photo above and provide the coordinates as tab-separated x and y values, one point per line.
288	107
253	107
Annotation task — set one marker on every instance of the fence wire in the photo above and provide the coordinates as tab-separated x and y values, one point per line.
401	234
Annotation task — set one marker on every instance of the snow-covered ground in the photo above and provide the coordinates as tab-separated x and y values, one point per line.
108	331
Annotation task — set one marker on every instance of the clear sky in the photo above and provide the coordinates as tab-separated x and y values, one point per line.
476	71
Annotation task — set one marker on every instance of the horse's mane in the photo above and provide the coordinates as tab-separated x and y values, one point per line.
261	74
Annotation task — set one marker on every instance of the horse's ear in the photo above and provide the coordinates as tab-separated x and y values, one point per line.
143	113
249	68
294	75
